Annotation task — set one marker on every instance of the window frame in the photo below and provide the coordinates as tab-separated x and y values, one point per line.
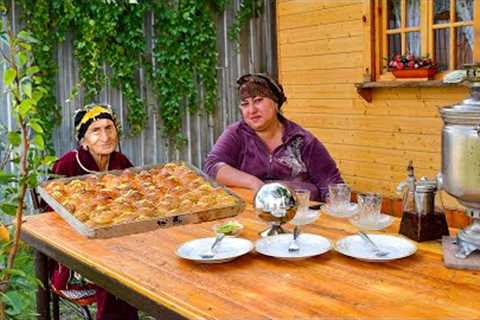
375	29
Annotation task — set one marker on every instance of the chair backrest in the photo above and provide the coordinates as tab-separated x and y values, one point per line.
38	204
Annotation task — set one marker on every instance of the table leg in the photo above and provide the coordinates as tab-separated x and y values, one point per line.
43	294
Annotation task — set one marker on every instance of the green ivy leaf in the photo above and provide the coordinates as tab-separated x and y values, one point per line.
25	36
32	180
9	76
15	272
48	160
32	70
6	177
37	95
22	58
14	138
24	107
36	126
8	209
39	142
13	300
27	88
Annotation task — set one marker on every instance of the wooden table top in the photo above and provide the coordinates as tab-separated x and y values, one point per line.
259	287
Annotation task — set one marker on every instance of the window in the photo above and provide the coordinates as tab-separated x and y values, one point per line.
441	29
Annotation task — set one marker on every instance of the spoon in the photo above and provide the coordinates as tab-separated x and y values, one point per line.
376	250
210	253
294	244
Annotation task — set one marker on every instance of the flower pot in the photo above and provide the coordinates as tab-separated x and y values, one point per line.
426	73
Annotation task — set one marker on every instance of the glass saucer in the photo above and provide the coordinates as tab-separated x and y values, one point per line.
303	217
382	222
341	212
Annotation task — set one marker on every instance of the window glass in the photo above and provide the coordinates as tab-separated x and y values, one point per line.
464	46
413	13
442	48
394	45
441	11
413	43
393	12
464	10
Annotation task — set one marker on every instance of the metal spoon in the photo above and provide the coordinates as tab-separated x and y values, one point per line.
210	253
294	244
376	250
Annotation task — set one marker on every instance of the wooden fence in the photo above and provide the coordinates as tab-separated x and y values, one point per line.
255	52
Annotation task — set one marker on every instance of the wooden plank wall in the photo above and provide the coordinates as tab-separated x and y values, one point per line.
321	56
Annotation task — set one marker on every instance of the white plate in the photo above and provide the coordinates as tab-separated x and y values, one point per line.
345	212
354	246
384	221
227	250
277	246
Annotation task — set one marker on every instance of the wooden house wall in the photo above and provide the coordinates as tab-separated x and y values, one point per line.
321	56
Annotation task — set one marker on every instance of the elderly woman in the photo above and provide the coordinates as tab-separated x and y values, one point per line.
97	135
266	146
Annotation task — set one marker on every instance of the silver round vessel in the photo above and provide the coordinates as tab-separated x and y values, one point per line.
275	203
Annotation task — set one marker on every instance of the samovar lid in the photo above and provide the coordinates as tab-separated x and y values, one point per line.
466	112
425	185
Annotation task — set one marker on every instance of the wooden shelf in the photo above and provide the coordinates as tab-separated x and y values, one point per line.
364	89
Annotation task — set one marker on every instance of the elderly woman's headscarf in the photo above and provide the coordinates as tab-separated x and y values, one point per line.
260	85
84	117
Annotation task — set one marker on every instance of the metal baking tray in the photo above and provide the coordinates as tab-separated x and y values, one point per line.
181	218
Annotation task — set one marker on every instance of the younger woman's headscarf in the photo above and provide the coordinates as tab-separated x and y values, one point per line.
260	85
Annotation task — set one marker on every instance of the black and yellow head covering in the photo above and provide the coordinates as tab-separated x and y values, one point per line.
84	117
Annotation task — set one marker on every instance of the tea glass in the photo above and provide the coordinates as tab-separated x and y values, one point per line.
303	216
338	196
370	205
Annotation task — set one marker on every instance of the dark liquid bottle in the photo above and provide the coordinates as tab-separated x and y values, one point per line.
424	227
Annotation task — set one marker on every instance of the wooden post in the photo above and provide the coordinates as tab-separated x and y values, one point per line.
43	294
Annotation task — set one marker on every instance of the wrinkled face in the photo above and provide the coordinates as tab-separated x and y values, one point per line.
101	137
259	112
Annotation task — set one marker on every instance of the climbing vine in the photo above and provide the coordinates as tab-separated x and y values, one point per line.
110	35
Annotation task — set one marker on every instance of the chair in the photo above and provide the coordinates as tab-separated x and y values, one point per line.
77	300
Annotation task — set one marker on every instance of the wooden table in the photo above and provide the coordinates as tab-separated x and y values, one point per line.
144	270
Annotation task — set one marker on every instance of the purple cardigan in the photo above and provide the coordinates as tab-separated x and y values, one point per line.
301	159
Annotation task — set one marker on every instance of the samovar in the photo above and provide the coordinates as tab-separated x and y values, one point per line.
460	175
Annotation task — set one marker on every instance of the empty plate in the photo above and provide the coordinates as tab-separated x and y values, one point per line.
227	250
342	212
277	246
383	221
356	247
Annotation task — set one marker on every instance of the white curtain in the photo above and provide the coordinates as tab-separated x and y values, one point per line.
413	13
464	10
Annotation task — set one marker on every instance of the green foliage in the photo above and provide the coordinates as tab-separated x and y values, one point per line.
184	55
111	33
24	149
41	24
20	298
248	10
